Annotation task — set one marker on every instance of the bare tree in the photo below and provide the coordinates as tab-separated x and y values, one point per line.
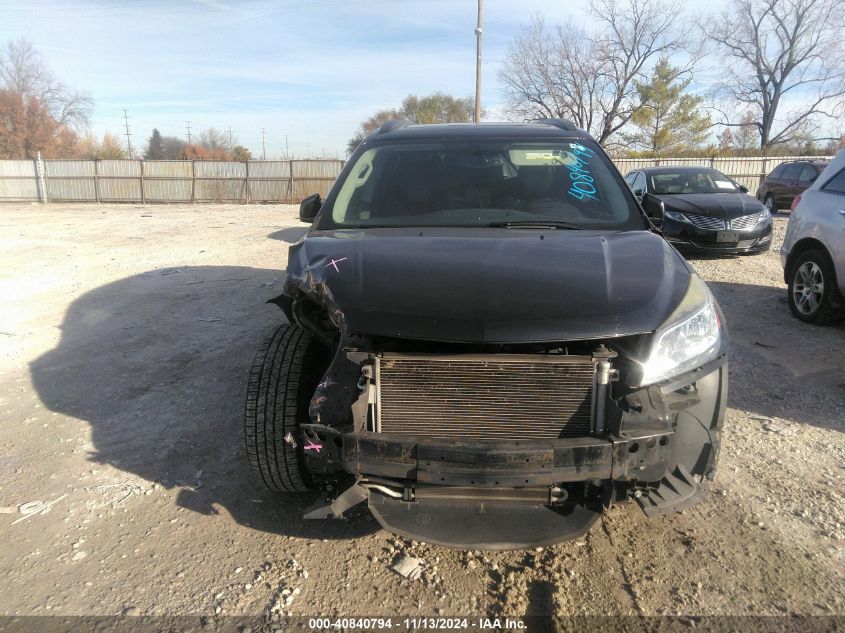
22	69
215	140
553	74
589	77
780	49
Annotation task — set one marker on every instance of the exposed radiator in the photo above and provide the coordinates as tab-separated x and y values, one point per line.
485	397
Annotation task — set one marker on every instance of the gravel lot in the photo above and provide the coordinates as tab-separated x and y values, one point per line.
126	334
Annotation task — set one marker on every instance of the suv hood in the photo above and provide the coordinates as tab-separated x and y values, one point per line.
489	285
717	205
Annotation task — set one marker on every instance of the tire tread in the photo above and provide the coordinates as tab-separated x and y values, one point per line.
273	410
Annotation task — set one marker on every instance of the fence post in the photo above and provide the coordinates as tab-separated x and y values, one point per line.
143	195
193	182
245	195
290	183
97	180
42	178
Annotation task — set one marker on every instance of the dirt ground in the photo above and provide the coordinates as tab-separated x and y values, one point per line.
126	334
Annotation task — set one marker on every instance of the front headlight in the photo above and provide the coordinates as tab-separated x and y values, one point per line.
690	337
763	215
676	215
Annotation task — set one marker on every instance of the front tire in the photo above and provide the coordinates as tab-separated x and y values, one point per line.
769	203
813	293
284	375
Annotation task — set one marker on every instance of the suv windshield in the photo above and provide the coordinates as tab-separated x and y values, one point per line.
691	181
484	183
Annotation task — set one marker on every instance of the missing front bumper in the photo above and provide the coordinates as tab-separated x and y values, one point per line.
490	464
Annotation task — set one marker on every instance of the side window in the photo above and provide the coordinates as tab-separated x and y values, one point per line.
778	171
639	183
836	184
629	178
791	172
808	174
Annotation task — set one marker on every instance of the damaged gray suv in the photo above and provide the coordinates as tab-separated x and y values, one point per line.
488	342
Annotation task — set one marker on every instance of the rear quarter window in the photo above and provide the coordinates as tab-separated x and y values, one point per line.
836	184
777	172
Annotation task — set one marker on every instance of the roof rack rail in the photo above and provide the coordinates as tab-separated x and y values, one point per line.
563	124
389	126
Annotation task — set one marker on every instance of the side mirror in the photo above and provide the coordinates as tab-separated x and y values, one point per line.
743	189
309	208
654	208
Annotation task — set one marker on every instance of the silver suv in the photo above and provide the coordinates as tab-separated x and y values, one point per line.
813	251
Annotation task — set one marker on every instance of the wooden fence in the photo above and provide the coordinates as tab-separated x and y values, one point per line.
269	181
165	181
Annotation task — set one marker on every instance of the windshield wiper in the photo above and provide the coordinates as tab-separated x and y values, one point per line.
535	224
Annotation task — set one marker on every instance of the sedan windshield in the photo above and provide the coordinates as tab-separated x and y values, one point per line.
691	181
564	185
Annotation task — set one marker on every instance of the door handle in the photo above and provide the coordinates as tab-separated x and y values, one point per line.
841	211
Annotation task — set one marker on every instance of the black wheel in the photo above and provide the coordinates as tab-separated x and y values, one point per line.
286	371
812	292
769	202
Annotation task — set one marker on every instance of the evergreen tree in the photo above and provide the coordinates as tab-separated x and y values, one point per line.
155	148
668	120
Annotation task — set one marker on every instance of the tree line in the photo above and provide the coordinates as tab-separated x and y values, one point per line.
779	68
627	78
39	113
644	78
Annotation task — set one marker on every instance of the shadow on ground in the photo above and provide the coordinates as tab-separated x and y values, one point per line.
157	365
780	366
290	235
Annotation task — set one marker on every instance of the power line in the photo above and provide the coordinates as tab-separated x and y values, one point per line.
128	136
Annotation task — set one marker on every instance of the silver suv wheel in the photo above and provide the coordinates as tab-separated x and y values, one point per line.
813	293
808	288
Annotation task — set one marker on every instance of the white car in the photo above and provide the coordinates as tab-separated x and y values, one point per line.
813	251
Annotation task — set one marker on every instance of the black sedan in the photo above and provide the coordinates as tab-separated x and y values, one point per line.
705	212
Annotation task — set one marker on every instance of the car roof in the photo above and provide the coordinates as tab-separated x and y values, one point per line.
676	169
543	128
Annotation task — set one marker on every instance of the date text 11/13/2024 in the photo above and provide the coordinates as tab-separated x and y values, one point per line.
415	623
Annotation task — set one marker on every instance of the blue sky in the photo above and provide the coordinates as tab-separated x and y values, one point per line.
311	70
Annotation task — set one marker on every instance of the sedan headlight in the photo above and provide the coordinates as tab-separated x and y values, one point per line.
690	337
676	215
763	216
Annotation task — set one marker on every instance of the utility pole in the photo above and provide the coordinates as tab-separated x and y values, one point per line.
263	147
188	123
230	136
287	153
128	137
478	63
